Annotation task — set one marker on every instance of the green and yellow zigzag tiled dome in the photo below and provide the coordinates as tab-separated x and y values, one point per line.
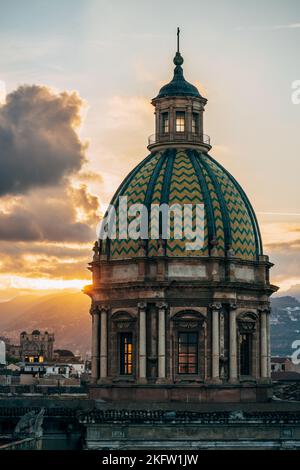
190	176
180	171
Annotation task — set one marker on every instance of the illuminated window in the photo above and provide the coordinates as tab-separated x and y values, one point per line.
195	123
31	359
165	123
180	121
245	353
41	359
187	353
126	350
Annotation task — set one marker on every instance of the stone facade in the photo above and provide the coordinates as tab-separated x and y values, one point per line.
36	345
192	430
155	306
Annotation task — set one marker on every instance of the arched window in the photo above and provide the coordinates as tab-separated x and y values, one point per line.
122	345
187	352
195	123
180	121
126	353
245	353
247	324
165	123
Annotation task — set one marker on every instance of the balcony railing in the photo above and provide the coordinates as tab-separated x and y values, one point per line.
179	137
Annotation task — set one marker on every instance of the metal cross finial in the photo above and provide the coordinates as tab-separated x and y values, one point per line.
178	35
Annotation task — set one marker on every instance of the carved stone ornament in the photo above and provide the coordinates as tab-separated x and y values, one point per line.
216	306
142	305
246	326
264	309
189	325
162	305
123	324
103	308
96	251
94	310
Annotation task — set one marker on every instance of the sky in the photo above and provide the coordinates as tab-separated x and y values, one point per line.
76	81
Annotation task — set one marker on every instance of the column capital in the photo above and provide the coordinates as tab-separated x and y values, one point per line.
264	309
142	305
233	306
215	306
161	305
94	310
103	308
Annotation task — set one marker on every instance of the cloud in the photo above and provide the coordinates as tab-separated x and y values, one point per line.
87	205
89	176
275	27
48	213
288	246
292	214
38	139
125	113
286	258
54	214
2	92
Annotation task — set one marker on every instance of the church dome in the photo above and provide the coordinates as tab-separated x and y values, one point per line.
190	176
180	286
179	171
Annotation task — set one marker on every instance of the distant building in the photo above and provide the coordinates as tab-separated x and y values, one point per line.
2	353
280	364
12	350
13	367
283	364
63	355
58	369
37	346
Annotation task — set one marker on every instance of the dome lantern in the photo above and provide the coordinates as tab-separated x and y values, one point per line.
179	109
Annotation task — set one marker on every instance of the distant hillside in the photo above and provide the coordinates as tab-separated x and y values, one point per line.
65	314
285	324
294	291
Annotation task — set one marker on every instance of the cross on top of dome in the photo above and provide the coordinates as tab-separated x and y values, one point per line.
179	111
178	86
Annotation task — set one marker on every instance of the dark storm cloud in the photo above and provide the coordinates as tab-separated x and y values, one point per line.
50	215
38	140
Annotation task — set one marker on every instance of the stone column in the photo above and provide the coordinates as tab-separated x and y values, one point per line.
201	122
157	124
95	343
162	341
215	341
103	344
263	345
232	344
188	124
269	345
172	122
142	341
